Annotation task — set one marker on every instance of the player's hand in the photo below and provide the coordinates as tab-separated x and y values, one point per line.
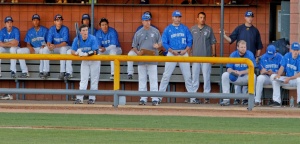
257	59
32	51
238	72
277	77
270	72
102	49
140	53
175	53
51	47
156	45
182	52
223	30
287	80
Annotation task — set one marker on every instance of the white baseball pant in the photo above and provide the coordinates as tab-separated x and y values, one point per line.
239	83
130	69
44	64
112	51
89	68
185	70
276	88
13	62
63	50
152	71
206	70
261	81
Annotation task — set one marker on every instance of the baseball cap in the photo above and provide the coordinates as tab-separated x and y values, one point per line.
295	46
146	17
36	16
176	13
249	14
85	16
8	18
149	13
271	50
57	17
232	77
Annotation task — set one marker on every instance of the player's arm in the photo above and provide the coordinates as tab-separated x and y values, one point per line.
230	70
189	42
213	42
12	43
74	47
31	49
60	45
213	50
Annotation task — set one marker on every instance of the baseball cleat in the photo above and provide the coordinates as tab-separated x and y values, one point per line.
91	101
78	101
159	100
6	97
67	76
196	101
225	103
142	102
257	104
61	76
245	102
298	105
111	77
24	75
207	101
236	102
130	76
276	104
155	103
13	74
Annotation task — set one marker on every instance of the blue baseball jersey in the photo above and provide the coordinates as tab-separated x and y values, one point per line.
177	37
291	66
270	64
58	36
108	38
6	36
241	67
90	31
36	38
89	44
141	26
249	34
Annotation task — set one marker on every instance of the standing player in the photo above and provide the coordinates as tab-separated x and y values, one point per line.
290	66
203	45
237	73
36	43
147	38
58	41
248	33
86	45
130	69
177	39
9	42
108	42
268	65
86	20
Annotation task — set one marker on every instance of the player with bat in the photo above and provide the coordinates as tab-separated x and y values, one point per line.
86	45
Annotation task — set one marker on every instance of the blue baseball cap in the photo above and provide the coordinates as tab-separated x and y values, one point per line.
176	13
295	46
85	16
249	14
232	77
36	16
57	17
8	18
271	50
146	17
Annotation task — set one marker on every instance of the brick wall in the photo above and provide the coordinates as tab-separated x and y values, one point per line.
125	19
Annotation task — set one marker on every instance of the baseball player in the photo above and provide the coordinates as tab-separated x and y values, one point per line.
290	66
248	33
57	42
203	45
36	43
177	39
237	73
108	42
86	19
86	45
147	38
9	42
269	64
130	69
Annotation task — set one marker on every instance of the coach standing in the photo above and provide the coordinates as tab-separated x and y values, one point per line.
203	45
177	40
248	33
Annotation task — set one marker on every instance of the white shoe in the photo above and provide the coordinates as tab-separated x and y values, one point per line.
6	97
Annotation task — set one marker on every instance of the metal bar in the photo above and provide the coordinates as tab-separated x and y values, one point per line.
117	75
221	41
23	95
92	17
116	100
17	86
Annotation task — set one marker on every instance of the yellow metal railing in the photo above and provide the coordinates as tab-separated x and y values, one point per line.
118	58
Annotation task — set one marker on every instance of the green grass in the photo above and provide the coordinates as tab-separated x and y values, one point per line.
145	129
